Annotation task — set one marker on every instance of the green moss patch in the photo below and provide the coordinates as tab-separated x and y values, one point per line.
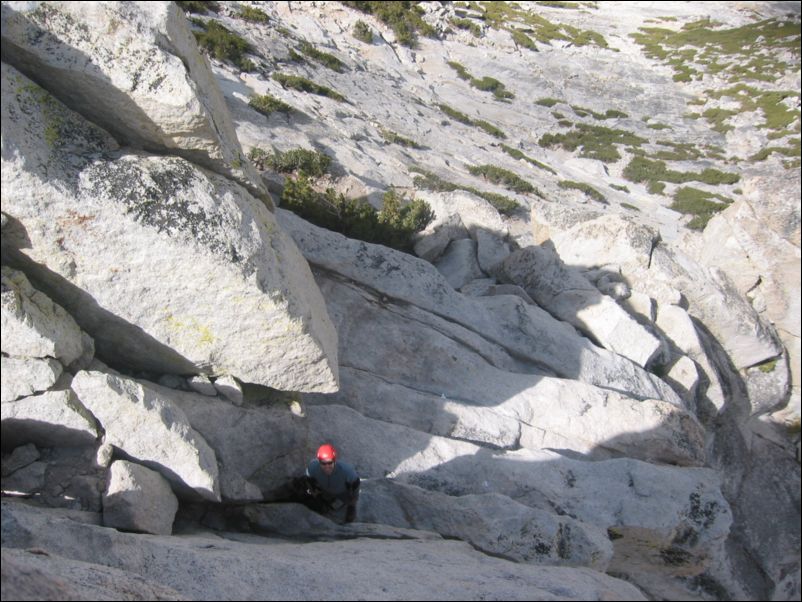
594	142
429	181
502	177
404	18
644	170
702	205
304	85
588	190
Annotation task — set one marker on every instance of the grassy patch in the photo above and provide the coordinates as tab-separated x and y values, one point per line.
392	138
430	181
619	188
595	142
304	85
463	118
253	15
362	32
267	104
547	102
404	18
467	24
223	44
514	18
486	84
792	150
609	114
502	177
393	226
312	163
698	203
324	58
585	188
521	39
754	52
514	152
642	169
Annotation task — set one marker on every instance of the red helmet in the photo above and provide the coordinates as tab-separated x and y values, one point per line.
326	453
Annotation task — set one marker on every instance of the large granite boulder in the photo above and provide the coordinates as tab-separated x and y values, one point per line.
200	278
135	70
138	499
151	429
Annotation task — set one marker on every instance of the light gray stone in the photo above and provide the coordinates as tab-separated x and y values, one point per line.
134	70
492	523
229	388
432	241
201	384
566	294
52	419
138	499
223	244
32	324
419	567
145	423
523	330
27	376
458	265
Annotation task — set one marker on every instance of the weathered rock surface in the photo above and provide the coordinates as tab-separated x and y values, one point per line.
32	325
135	71
490	522
52	419
190	565
569	296
138	499
429	375
525	331
587	240
223	244
150	428
476	416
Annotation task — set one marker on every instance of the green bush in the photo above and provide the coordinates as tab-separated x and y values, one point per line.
253	15
312	163
697	202
430	181
363	32
324	58
223	44
585	188
489	128
267	104
392	138
198	6
503	177
547	102
641	169
490	84
404	18
514	152
522	39
304	85
394	226
455	115
468	24
596	142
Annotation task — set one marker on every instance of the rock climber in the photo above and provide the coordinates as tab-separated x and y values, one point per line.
331	484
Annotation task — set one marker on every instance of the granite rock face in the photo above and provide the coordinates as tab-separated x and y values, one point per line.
566	392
